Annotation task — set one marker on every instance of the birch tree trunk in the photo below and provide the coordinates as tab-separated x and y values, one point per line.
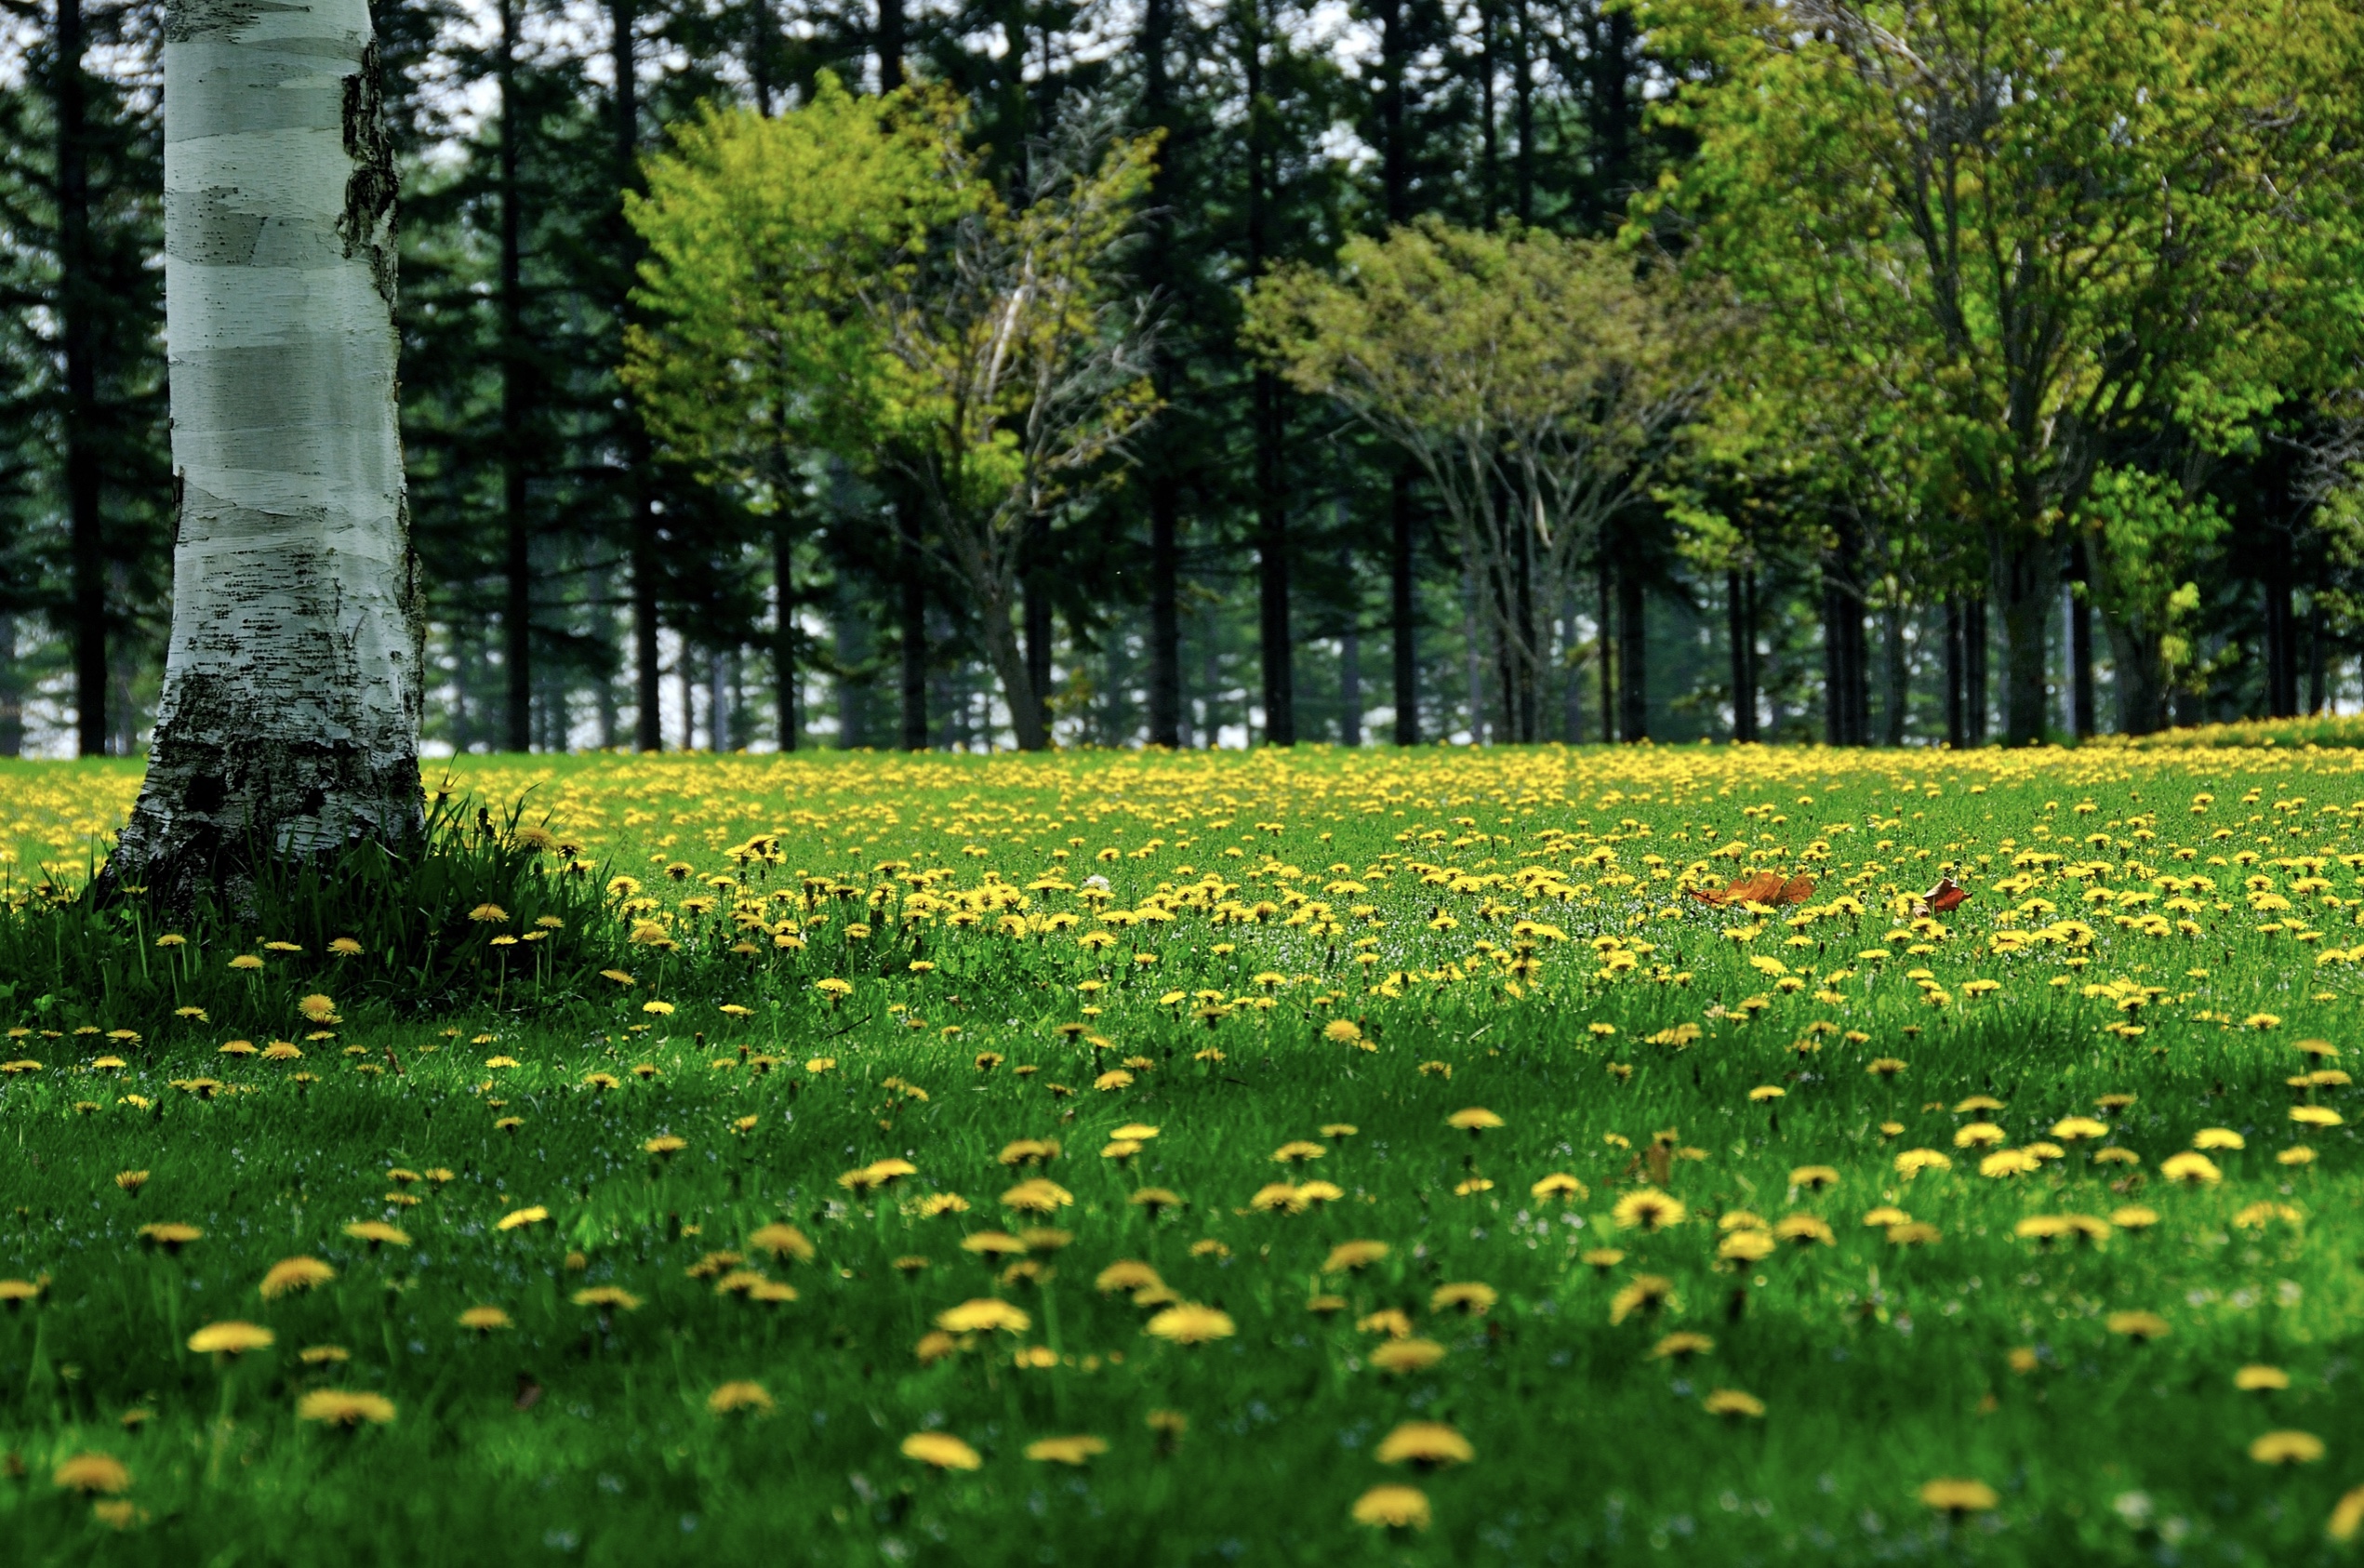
289	721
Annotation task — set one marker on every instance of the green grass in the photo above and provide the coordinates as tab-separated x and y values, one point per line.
1879	1366
2325	730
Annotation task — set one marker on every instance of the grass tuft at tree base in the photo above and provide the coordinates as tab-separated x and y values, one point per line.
401	931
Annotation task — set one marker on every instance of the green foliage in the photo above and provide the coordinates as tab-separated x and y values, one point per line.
2029	222
2014	232
1535	379
998	389
761	235
842	278
1461	342
2148	536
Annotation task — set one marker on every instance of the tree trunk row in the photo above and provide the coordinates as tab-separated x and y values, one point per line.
1965	670
2282	639
1740	613
2081	644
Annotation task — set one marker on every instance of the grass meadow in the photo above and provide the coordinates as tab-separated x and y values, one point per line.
1317	1158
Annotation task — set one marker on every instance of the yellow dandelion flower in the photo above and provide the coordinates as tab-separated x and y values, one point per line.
1947	1495
1402	1357
1425	1445
1647	1294
1646	1208
170	1236
1558	1186
292	1274
1078	1450
608	1298
1745	1246
1037	1196
1350	1257
741	1395
230	1339
2008	1162
983	1315
1682	1347
941	1450
1912	1162
1392	1507
2347	1516
88	1473
1188	1322
2287	1448
342	1407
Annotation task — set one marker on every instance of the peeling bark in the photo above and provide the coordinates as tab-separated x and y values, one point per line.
288	726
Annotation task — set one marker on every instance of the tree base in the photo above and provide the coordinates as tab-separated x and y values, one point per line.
211	817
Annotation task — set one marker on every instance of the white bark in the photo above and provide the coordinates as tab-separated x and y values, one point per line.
289	720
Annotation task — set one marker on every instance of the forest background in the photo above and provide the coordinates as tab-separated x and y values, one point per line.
2005	461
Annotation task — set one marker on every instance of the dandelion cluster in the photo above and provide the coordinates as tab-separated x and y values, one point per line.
1395	1146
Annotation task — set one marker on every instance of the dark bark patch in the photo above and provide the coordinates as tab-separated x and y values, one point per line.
225	796
368	224
185	19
